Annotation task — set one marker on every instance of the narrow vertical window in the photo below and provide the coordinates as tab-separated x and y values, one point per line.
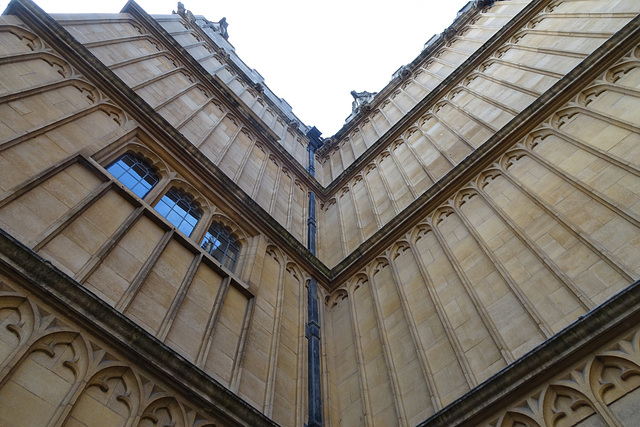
221	244
180	209
134	173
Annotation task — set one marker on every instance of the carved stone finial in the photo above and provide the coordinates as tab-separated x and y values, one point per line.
361	100
219	27
481	4
402	73
449	33
181	9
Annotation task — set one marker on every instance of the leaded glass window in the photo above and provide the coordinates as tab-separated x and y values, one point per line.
180	209
134	173
221	244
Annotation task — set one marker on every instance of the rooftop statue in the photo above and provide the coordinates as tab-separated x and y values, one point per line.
360	99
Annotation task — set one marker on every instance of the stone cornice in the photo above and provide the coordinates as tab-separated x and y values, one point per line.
466	14
71	298
239	106
458	75
195	27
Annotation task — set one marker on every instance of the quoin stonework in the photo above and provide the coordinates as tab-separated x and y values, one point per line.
177	248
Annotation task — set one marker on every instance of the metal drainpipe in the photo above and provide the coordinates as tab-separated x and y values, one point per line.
312	328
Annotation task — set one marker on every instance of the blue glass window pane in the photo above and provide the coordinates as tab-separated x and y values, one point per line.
134	173
180	210
221	245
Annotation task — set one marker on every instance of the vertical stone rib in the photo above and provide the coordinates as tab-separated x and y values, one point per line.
242	343
444	124
275	343
386	352
403	173
228	145
37	131
374	208
362	375
92	263
595	151
494	333
211	130
135	285
444	320
591	192
420	160
174	97
57	227
578	234
418	345
158	77
584	301
173	308
33	182
524	301
357	212
256	186
343	241
522	67
193	114
274	195
387	188
439	149
243	162
299	410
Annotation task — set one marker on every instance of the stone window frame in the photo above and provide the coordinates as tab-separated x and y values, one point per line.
181	209
137	162
224	236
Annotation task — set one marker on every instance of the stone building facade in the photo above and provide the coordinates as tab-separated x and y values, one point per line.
178	248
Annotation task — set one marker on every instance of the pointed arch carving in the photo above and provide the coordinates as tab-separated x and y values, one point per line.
114	113
275	253
356	281
618	71
139	149
487	176
464	195
236	232
164	411
294	270
17	321
398	248
510	158
377	265
336	297
563	116
31	40
613	377
441	213
534	138
117	388
563	402
187	188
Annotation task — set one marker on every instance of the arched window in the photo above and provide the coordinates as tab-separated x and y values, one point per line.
134	173
221	244
180	209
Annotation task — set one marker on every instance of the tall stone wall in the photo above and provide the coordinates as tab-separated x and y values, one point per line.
59	131
536	238
459	115
488	201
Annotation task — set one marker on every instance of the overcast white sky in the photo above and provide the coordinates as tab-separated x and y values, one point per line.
312	54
